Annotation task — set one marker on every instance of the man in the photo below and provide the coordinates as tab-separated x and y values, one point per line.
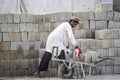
60	38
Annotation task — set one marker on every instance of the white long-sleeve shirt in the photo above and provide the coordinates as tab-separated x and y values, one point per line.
60	38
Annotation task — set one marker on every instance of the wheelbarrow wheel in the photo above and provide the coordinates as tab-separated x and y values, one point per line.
66	73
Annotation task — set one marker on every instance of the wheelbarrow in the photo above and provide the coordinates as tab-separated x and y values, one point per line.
67	66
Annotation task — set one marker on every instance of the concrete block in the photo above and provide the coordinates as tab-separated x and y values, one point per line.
6	37
41	52
17	36
10	18
0	27
23	18
110	69
117	69
23	27
116	16
4	27
24	36
100	34
100	15
35	27
113	34
116	43
16	28
31	36
37	36
0	36
1	43
41	18
110	62
13	45
29	27
6	45
94	55
84	16
16	18
103	52
90	34
113	52
37	45
117	62
35	19
13	57
107	34
92	25
80	34
5	64
91	16
41	27
5	55
110	16
46	17
113	25
119	33
10	27
106	6
29	18
84	24
118	52
11	36
47	27
101	25
103	69
3	18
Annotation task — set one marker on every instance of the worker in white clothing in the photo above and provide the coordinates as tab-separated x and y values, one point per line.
60	38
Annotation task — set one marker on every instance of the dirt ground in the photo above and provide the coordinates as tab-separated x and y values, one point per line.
97	77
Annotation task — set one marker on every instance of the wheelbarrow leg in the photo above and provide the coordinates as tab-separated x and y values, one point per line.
83	72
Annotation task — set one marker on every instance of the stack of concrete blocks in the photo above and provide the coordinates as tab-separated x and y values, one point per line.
105	40
23	38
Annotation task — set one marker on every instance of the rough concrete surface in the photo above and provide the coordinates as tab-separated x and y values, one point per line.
96	77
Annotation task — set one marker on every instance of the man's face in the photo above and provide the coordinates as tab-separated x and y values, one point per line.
74	24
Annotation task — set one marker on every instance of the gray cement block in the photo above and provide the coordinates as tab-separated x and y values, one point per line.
47	27
116	69
110	16
107	34
101	25
17	36
6	45
37	36
23	18
80	34
24	36
112	52
84	25
106	6
116	16
23	27
91	16
110	69
10	18
31	36
113	25
6	37
103	52
100	15
116	43
29	18
10	27
16	28
29	27
0	36
4	27
92	25
16	18
35	27
117	62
